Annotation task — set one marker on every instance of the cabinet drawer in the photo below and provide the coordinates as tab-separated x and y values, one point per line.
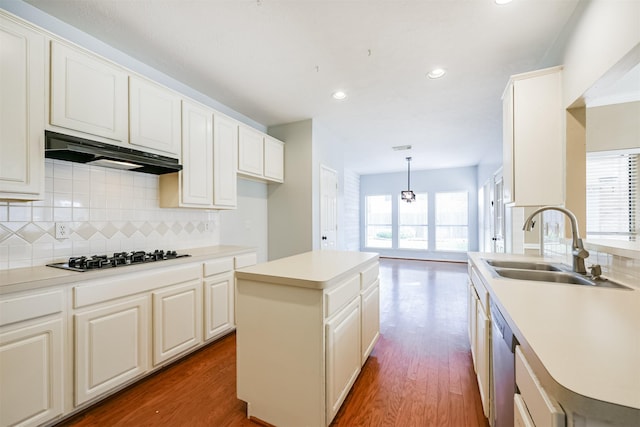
218	266
30	306
246	260
543	409
369	276
521	416
101	290
341	294
483	294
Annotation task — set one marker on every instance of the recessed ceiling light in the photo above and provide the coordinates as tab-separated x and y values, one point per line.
339	95
503	1
436	73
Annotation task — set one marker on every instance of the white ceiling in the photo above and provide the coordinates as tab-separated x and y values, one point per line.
279	61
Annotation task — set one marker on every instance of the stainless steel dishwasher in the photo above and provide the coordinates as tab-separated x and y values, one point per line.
503	345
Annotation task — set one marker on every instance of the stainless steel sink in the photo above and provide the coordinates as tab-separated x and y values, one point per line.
550	273
523	265
544	276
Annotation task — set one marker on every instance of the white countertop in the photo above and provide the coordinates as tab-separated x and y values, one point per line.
587	338
316	269
22	279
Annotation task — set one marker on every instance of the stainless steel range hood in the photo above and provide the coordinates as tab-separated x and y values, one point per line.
80	150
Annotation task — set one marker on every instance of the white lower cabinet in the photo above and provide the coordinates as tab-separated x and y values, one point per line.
111	346
32	349
473	309
480	337
370	307
521	416
483	361
31	367
177	320
542	408
343	355
218	304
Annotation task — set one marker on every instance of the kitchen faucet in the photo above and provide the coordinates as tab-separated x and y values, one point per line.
578	251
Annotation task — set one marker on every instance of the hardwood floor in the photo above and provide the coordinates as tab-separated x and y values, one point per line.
419	374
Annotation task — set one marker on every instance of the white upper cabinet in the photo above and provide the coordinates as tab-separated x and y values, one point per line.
225	145
154	117
197	156
533	148
273	159
22	111
250	151
88	94
260	156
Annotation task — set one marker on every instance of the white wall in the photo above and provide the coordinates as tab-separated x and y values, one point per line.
291	215
429	181
351	225
606	32
247	225
613	127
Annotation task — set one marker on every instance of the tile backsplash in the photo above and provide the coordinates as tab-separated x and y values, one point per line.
617	267
105	210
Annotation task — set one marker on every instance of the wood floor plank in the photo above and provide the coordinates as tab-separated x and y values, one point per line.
419	374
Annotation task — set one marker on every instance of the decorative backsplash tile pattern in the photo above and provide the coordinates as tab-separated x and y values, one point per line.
105	210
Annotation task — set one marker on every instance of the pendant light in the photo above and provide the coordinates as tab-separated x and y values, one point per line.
408	195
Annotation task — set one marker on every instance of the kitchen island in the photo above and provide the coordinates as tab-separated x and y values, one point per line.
305	326
582	343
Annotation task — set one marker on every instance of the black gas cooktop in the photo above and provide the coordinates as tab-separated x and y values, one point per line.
118	259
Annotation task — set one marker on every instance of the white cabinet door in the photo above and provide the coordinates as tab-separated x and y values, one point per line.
521	417
250	151
483	346
473	316
218	304
273	159
22	111
343	355
370	319
111	346
154	117
225	147
533	148
31	371
197	156
88	94
177	320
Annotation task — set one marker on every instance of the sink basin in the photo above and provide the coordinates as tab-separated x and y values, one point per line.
544	276
523	265
556	277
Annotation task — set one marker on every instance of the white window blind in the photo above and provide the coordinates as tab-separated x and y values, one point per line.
612	195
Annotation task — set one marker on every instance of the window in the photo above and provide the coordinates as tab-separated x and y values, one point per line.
452	221
379	226
413	231
612	195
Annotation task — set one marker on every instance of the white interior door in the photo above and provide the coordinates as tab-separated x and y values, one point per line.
328	208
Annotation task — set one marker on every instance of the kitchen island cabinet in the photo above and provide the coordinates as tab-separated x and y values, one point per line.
299	334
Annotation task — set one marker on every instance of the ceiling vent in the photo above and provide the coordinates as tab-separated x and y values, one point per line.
401	147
